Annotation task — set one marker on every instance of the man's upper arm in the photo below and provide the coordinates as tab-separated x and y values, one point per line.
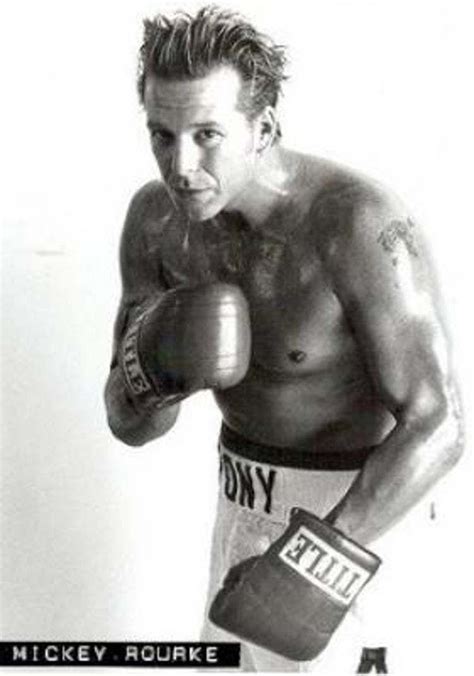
133	419
139	261
382	274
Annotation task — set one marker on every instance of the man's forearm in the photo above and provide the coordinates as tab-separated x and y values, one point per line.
131	421
398	474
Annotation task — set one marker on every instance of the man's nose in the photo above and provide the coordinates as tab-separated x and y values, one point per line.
186	157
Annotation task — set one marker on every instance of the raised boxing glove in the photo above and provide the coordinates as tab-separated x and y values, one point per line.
292	598
192	338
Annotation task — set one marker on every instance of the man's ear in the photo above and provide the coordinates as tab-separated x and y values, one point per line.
267	124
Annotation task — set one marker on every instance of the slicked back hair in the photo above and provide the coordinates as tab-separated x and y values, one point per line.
183	46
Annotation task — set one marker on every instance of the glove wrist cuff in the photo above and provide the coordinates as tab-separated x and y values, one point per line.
145	390
336	538
326	558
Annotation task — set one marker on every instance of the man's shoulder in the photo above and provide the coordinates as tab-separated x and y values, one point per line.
149	201
344	203
148	212
339	188
362	230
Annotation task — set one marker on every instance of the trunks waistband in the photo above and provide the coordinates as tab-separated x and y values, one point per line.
293	457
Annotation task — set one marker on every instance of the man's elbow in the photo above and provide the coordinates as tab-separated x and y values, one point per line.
440	415
138	435
453	426
128	436
129	425
452	429
125	435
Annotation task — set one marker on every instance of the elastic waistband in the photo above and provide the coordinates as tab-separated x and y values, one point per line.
293	457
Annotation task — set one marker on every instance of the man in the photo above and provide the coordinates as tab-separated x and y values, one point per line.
302	294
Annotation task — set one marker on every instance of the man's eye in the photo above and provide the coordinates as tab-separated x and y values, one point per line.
161	137
209	136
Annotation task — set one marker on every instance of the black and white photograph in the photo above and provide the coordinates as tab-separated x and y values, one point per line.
236	345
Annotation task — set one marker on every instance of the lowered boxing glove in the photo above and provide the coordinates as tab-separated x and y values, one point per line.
292	598
192	338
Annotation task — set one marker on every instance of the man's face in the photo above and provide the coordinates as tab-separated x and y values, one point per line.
203	143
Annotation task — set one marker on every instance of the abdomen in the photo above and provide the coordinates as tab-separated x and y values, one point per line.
331	409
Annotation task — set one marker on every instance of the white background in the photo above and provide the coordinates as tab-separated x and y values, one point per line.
104	542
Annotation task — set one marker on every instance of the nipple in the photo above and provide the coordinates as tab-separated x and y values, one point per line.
297	356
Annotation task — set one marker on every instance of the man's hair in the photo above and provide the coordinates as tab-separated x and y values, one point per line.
187	47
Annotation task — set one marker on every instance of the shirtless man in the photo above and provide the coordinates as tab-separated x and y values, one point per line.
312	279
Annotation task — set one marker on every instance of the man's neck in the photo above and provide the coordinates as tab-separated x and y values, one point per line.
267	191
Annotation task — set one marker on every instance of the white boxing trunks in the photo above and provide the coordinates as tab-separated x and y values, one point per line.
258	486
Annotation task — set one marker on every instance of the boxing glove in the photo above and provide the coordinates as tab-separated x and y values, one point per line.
192	338
292	598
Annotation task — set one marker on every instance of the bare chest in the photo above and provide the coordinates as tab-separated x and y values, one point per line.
298	326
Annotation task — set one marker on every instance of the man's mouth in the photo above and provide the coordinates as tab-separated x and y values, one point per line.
187	191
190	193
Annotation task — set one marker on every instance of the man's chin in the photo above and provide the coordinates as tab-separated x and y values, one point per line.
199	211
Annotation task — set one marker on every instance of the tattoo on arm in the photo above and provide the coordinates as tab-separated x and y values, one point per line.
398	232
